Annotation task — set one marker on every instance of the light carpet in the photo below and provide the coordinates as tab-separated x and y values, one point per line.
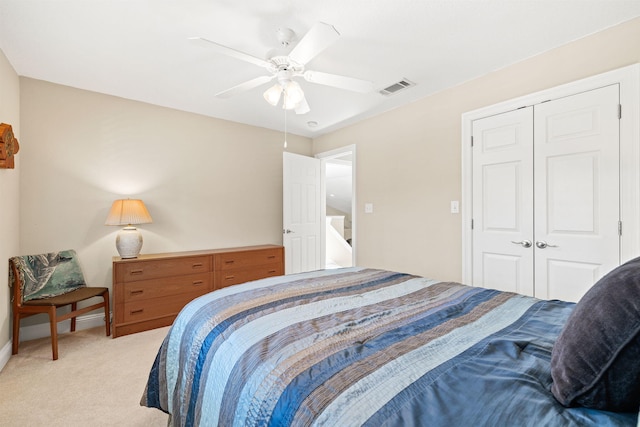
97	381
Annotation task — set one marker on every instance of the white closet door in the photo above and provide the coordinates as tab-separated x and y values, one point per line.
503	201
576	192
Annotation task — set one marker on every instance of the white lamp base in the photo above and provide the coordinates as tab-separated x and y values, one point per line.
129	242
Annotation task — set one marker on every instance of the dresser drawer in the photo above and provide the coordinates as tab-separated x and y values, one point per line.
151	269
233	277
232	260
138	310
142	290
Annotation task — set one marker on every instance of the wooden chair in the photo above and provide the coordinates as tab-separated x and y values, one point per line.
43	283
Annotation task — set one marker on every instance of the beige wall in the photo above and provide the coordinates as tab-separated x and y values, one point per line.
412	229
207	182
9	192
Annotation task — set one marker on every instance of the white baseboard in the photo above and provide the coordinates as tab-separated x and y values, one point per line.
42	330
5	354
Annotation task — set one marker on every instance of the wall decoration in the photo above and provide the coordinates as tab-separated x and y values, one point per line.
8	146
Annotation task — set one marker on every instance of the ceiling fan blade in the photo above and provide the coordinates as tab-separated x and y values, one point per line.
225	50
242	87
303	107
319	37
342	82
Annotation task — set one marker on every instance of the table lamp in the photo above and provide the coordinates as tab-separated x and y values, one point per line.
128	212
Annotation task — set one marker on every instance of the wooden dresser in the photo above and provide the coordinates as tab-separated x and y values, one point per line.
149	291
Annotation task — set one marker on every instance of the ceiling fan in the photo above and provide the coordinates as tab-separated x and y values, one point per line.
285	67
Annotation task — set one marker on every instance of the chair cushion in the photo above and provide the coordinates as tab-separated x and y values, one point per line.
76	295
48	275
594	362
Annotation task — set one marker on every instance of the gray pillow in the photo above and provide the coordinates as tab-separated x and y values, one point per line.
596	360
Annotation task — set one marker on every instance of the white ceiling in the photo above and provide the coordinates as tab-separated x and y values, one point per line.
138	49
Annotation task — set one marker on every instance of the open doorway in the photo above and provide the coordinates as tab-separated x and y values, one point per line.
338	190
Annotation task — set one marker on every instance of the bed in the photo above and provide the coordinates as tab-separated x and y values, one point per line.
358	346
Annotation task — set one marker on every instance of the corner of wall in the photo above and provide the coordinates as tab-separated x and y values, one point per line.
10	196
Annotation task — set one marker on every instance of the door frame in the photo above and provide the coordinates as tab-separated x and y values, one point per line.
629	80
329	155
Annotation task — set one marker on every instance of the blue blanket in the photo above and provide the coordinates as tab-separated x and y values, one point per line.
363	347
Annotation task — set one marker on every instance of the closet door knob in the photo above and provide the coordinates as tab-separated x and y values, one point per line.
541	244
523	243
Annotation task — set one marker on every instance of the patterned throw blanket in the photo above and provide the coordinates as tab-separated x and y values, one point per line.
47	275
354	347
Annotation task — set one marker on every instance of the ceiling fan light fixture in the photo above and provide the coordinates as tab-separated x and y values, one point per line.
302	107
272	95
293	92
288	102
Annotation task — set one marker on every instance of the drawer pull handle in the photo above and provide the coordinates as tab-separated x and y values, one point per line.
229	277
198	282
136	292
140	311
271	271
271	257
136	272
229	262
197	265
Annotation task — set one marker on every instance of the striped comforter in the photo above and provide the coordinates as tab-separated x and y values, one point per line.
354	347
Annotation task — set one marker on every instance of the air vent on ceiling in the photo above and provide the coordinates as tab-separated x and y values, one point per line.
396	87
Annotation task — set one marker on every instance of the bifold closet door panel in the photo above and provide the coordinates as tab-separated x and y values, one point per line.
503	201
577	192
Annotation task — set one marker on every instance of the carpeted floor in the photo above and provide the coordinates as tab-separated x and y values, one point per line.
97	381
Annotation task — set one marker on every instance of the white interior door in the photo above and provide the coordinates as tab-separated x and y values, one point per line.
301	213
577	193
503	202
546	196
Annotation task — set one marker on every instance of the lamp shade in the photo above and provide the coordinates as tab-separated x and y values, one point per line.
128	212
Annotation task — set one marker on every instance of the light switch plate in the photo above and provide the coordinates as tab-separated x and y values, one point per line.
455	206
368	208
